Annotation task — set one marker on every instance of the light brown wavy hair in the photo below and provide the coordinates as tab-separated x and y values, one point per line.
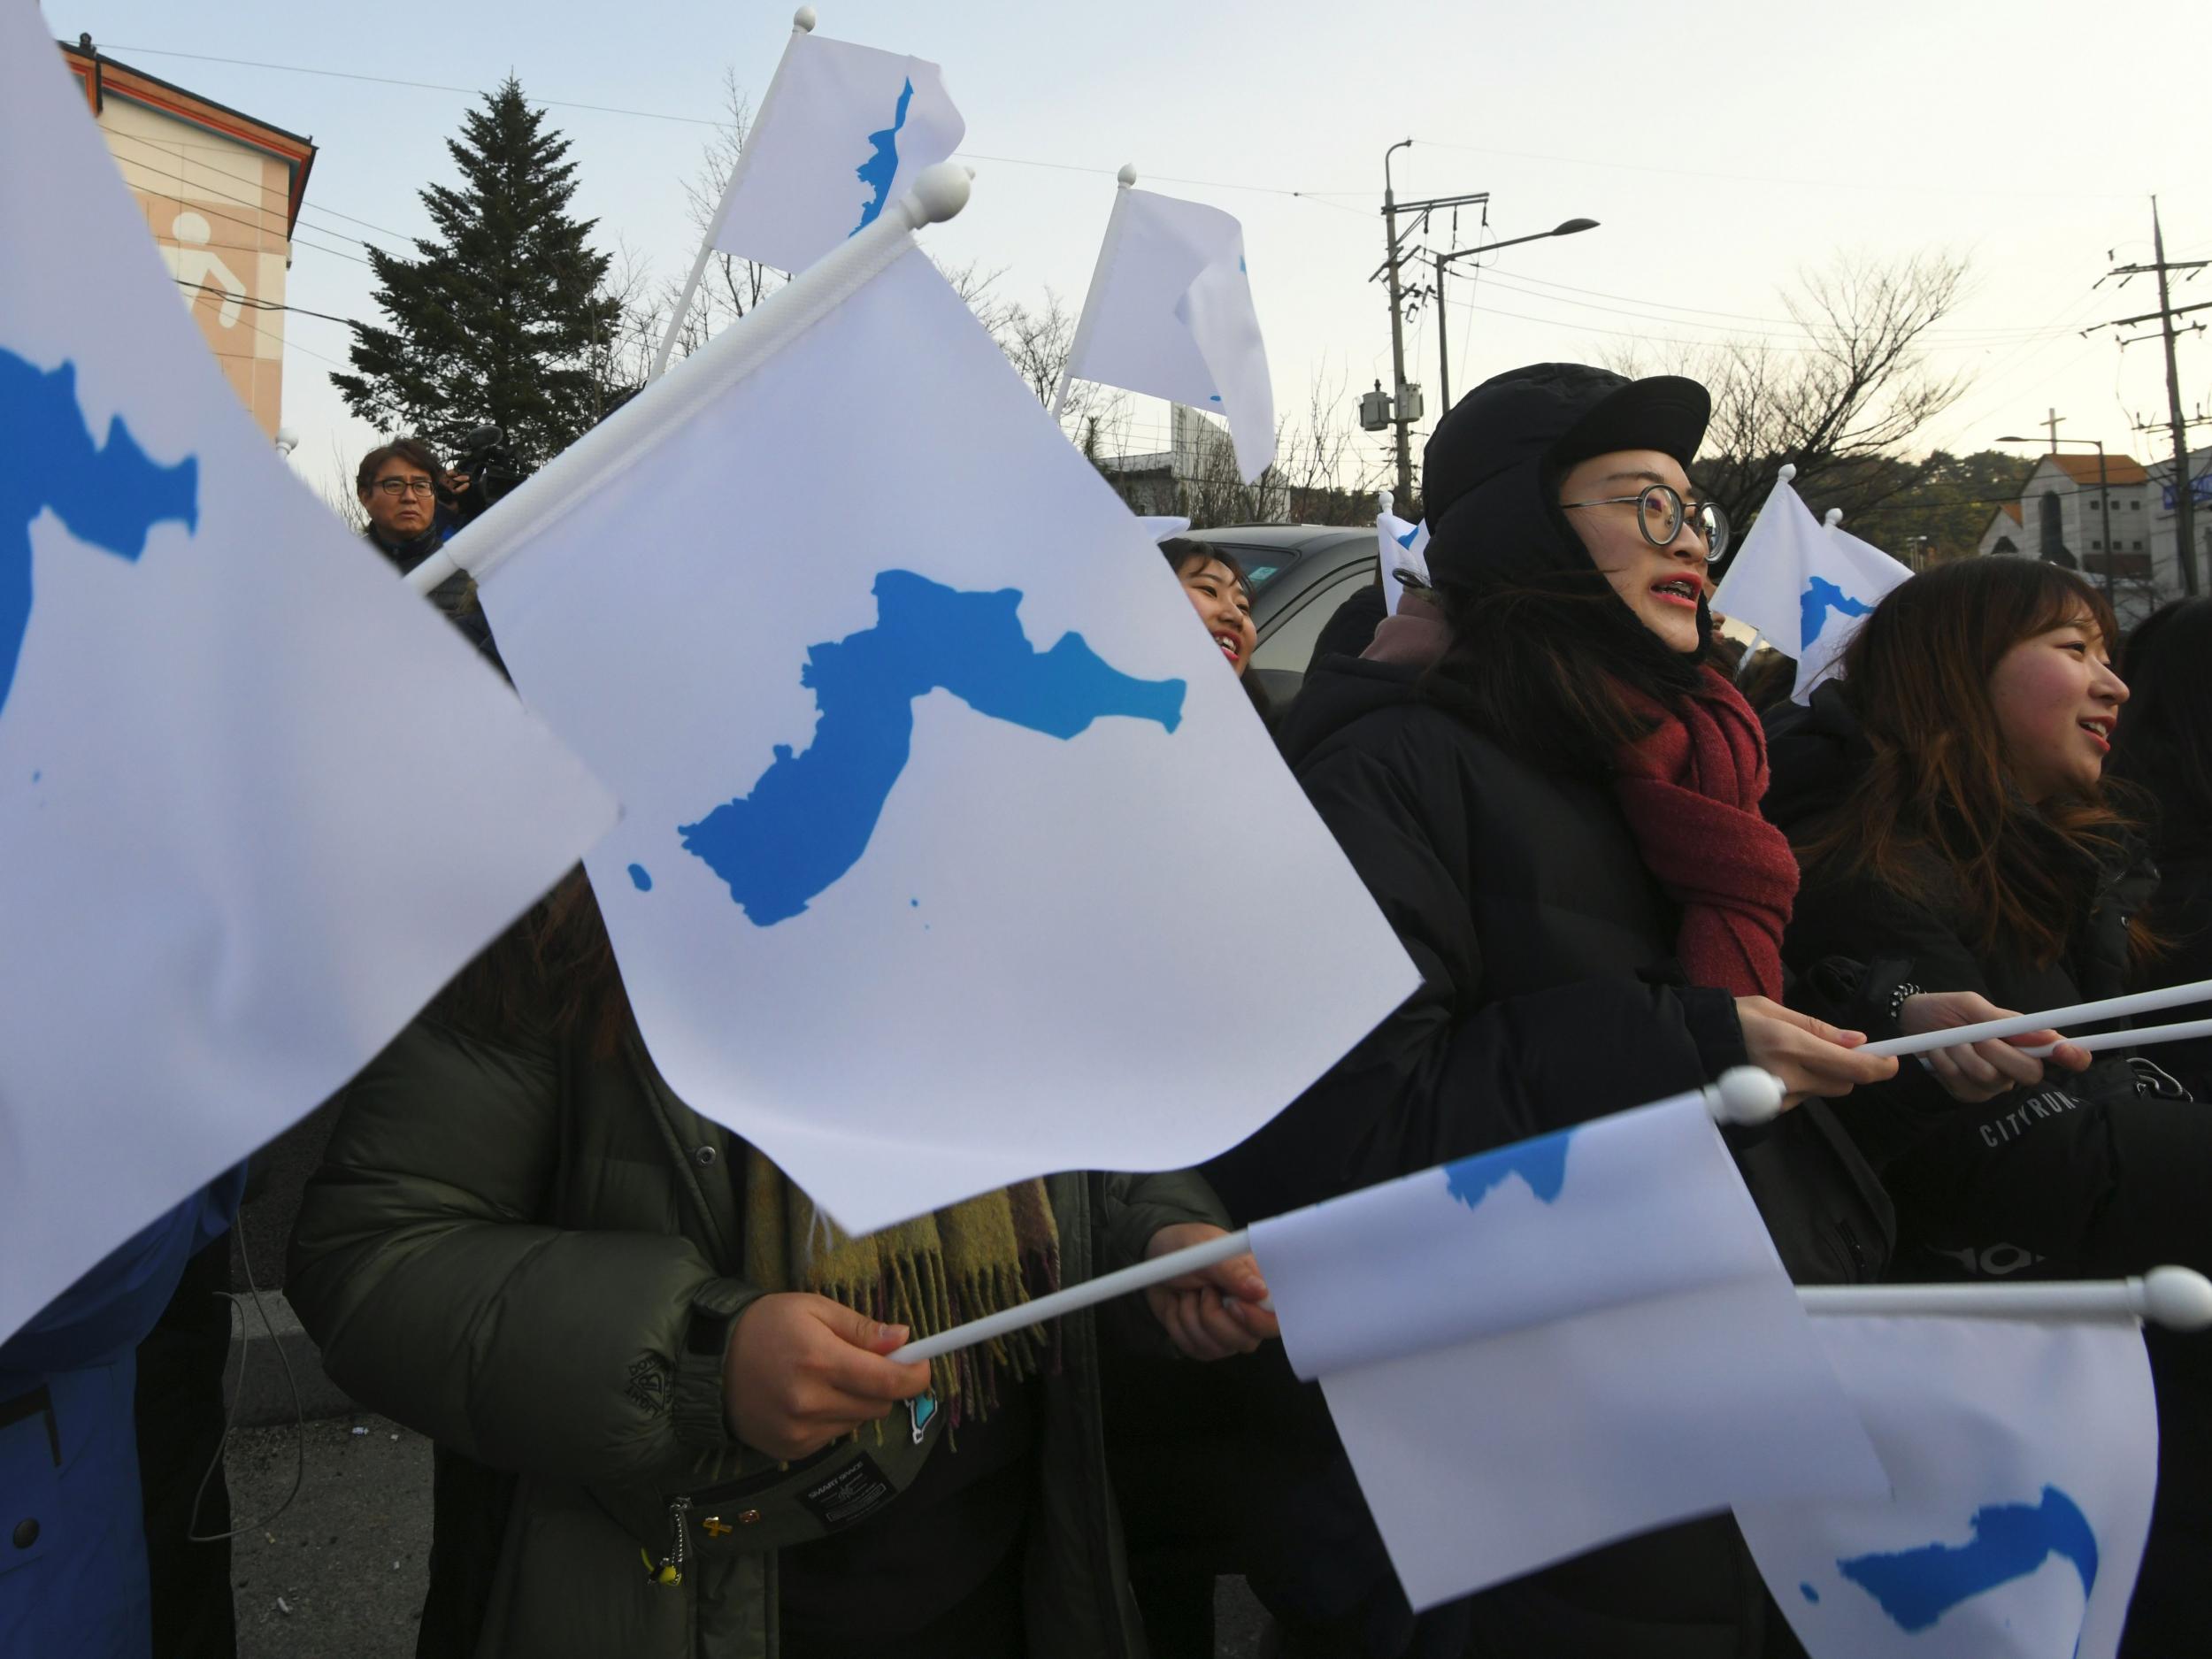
1940	788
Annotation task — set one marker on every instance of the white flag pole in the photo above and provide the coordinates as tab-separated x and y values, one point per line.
2179	1298
1123	181
940	192
802	23
2013	1025
2140	1039
1745	1094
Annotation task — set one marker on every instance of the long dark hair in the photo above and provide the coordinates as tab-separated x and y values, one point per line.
2164	745
1548	666
1939	791
551	976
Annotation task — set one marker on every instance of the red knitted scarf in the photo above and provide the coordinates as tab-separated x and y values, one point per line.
1691	793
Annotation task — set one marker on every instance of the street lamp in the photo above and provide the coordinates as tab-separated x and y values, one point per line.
1565	228
2104	496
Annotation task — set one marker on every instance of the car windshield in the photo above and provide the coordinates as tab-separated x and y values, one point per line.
1262	565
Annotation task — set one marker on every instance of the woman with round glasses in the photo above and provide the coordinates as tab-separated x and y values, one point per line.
1560	816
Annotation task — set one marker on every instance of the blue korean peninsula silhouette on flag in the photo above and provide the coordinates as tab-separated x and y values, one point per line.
1822	596
109	495
1916	1587
2023	1457
809	818
882	166
1540	1163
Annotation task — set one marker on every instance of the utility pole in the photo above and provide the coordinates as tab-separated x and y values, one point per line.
2184	517
1392	260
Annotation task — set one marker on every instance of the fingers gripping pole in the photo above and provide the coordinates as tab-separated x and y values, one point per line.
1088	1293
2111	1008
2141	1037
1743	1095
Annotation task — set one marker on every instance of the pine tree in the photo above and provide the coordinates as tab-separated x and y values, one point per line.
503	319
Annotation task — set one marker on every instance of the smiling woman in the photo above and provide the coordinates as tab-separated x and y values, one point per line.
1946	798
1214	584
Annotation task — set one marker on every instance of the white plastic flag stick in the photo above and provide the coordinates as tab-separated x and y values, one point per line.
802	23
2055	1018
1124	180
938	193
1745	1096
2179	1298
2139	1039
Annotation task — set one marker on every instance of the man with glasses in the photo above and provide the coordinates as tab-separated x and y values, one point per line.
398	483
403	489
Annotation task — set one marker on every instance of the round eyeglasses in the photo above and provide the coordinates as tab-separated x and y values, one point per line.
1660	512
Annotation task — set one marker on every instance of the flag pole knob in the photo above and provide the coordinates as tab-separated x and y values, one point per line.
1830	519
1746	1094
940	191
2177	1298
802	20
1382	498
1127	176
1788	472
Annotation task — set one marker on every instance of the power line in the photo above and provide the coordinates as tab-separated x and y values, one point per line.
1314	196
201	192
422	86
1789	325
1961	340
252	304
1748	178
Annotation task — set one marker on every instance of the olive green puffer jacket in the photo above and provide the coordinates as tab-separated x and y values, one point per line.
508	1248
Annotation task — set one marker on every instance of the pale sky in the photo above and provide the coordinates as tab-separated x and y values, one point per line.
1723	148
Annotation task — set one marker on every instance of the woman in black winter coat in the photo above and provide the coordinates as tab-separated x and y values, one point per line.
1946	798
1559	819
2164	754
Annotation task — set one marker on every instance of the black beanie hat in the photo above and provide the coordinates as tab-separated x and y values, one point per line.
1487	471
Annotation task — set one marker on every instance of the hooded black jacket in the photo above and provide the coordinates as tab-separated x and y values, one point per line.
1549	997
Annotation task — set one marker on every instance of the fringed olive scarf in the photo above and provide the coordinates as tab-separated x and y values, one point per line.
975	1258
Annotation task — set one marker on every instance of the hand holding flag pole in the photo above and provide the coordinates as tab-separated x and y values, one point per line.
2175	1297
2110	1008
940	192
1744	1095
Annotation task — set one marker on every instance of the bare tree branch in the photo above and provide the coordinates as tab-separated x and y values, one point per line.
1842	408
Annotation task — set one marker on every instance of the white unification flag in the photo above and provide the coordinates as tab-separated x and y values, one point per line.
1169	314
2024	1456
840	134
1547	1347
1401	547
914	890
259	802
1804	585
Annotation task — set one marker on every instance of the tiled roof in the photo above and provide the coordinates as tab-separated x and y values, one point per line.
2118	469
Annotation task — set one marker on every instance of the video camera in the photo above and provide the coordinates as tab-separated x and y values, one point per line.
491	468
